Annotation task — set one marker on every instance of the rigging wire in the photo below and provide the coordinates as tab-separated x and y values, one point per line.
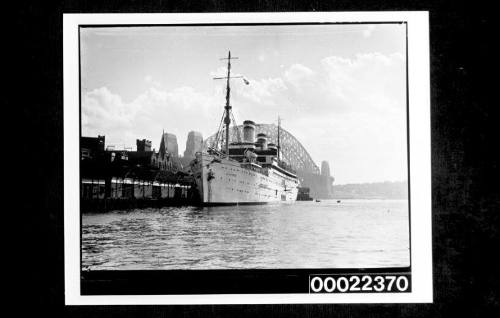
236	127
219	130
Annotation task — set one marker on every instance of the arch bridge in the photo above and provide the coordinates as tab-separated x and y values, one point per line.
292	150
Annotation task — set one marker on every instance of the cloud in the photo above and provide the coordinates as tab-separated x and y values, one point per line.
176	111
368	83
149	79
368	31
262	91
348	110
266	54
299	76
102	108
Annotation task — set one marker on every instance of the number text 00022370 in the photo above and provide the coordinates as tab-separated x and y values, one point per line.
360	283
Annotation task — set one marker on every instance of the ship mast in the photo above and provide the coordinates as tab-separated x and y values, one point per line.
227	108
227	119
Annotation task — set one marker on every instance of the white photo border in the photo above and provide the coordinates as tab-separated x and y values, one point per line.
419	155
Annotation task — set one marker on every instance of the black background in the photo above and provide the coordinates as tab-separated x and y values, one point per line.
225	281
464	184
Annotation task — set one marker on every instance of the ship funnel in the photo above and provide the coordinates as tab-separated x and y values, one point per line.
262	141
249	131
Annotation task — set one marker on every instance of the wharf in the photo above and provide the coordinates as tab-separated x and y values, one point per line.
114	204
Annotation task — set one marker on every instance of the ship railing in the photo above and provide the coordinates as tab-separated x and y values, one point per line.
255	167
286	166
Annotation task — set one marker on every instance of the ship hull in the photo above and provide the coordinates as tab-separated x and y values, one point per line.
228	182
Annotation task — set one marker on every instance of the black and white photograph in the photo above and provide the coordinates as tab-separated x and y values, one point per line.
247	155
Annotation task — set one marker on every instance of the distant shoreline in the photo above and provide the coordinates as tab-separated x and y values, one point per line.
375	190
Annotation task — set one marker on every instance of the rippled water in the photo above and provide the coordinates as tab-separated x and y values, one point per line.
326	234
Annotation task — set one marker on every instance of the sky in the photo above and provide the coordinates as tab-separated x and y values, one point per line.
339	89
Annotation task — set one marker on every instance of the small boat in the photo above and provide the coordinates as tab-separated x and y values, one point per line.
318	200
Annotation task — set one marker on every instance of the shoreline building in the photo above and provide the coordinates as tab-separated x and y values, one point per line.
327	180
168	144
168	154
194	144
122	174
91	147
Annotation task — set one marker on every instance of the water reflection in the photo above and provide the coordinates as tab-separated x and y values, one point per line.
355	233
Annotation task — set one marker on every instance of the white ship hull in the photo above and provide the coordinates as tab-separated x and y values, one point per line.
223	181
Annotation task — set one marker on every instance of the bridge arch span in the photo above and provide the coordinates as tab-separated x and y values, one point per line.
293	152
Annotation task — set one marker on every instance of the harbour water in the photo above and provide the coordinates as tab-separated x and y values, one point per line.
326	234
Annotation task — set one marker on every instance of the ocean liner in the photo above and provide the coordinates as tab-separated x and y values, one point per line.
243	171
